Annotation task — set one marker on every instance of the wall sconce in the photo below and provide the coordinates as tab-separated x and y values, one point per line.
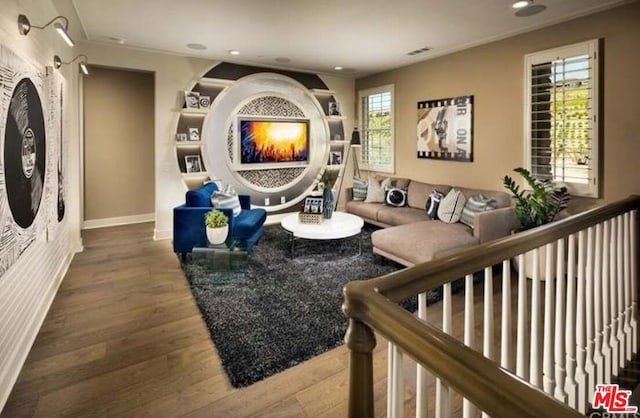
24	26
57	63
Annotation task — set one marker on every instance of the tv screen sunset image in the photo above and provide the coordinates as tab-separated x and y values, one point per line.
263	141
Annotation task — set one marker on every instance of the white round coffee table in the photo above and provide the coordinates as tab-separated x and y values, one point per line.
341	225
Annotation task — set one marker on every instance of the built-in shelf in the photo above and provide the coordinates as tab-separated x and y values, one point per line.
335	117
322	92
194	111
188	143
216	82
341	142
196	175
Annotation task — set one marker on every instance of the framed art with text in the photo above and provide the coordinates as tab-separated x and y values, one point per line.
445	129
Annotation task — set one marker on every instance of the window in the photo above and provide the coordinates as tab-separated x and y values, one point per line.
376	118
561	116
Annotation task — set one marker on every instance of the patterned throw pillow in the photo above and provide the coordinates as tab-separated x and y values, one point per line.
450	208
395	196
433	201
226	200
475	204
375	190
359	189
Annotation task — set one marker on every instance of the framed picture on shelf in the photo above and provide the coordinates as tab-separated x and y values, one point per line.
193	163
194	134
204	102
334	109
335	158
192	99
181	137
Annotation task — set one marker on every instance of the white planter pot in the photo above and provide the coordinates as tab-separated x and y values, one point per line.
217	236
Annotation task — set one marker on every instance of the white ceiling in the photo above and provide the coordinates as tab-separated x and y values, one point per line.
363	36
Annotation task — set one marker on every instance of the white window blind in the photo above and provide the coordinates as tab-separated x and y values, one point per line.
561	116
377	129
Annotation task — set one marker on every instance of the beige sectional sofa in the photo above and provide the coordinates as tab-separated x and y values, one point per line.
410	237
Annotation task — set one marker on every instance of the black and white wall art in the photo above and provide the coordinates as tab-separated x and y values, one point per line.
23	170
445	129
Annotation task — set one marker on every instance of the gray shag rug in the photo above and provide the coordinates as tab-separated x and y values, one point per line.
280	311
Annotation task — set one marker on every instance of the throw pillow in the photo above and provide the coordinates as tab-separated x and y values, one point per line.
375	190
433	201
226	200
475	204
359	189
450	208
395	197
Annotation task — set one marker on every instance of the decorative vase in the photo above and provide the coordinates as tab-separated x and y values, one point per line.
327	201
217	236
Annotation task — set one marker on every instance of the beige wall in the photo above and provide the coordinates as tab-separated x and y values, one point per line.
494	74
118	144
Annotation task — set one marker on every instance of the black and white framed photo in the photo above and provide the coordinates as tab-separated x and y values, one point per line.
192	99
334	109
181	137
313	205
204	102
335	158
194	134
445	129
193	163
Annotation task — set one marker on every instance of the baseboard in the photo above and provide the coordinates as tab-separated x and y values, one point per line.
160	234
121	220
22	347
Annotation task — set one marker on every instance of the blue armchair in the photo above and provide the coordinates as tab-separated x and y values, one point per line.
188	222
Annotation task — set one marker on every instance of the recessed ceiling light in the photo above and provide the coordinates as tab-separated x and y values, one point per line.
234	52
197	47
520	4
337	68
121	41
534	9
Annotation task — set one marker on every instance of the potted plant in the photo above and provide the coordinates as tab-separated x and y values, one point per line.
217	226
535	207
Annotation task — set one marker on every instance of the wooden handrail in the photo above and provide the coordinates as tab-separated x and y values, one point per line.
421	278
490	387
493	389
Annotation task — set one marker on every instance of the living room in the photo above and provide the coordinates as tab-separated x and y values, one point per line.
492	72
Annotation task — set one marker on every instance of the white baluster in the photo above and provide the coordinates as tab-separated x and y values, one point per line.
443	393
535	364
469	409
634	277
487	344
613	299
606	302
570	386
559	392
620	288
598	357
397	387
547	341
422	378
506	357
522	369
628	332
589	365
580	325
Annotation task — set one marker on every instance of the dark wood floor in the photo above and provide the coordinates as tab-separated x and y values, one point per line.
124	338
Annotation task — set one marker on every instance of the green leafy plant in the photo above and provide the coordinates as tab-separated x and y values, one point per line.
537	206
329	178
215	219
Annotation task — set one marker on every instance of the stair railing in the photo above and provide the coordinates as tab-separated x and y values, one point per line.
577	334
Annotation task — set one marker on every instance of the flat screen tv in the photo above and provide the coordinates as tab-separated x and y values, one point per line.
273	141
